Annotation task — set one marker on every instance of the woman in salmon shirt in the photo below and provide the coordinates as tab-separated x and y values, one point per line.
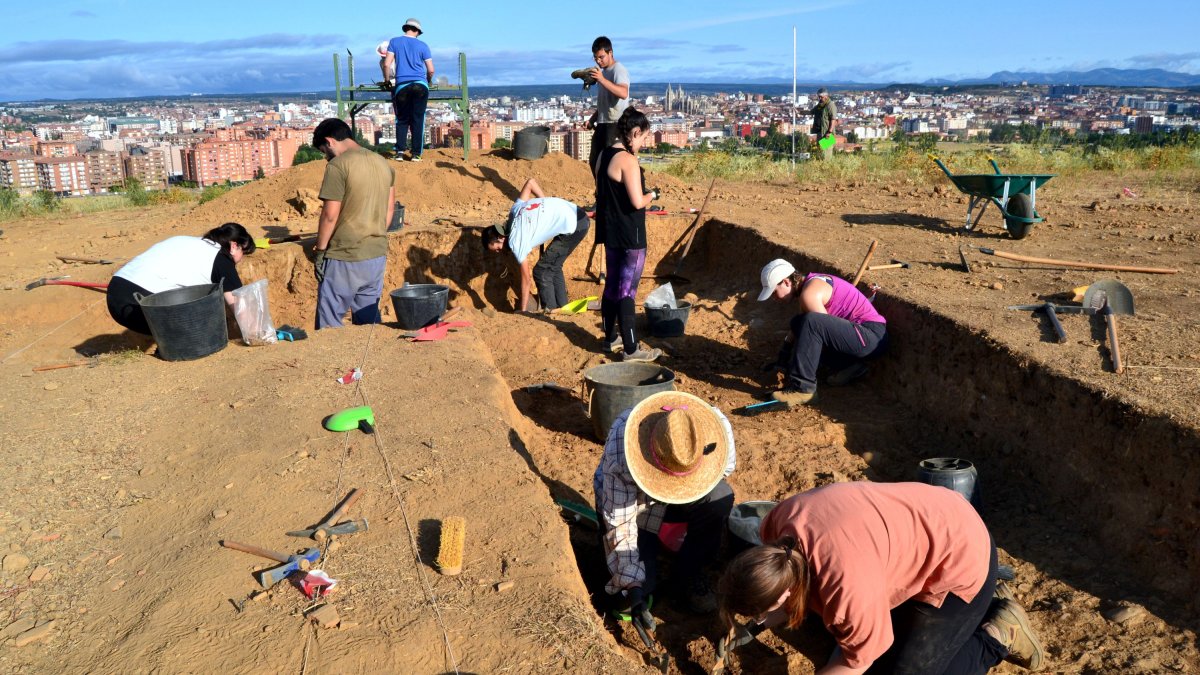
902	574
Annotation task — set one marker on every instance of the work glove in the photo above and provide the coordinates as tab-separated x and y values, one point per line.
741	636
639	611
319	265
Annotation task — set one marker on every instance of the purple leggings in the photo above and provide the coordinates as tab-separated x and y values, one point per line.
624	268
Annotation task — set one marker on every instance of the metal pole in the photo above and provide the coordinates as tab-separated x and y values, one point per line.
337	84
793	134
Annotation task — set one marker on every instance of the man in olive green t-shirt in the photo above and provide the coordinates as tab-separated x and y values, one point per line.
824	120
357	199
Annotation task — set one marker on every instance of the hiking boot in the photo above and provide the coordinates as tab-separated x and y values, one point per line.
643	355
795	397
847	375
1009	625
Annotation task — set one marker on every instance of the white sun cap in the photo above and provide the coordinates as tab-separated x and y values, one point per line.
774	272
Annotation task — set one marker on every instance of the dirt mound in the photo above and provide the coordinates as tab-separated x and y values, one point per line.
442	186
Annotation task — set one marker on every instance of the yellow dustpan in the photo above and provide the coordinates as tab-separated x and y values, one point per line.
577	306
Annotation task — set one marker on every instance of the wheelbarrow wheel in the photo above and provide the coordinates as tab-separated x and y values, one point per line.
1019	205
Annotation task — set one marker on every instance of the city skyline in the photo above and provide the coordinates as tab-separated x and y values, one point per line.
125	48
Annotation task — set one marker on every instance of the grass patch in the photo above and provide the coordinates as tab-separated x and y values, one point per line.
13	207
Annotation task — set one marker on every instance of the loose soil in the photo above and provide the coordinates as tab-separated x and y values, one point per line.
1089	479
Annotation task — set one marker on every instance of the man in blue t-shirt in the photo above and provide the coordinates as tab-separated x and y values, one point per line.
411	63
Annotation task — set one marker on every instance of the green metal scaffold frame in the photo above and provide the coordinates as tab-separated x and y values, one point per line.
354	98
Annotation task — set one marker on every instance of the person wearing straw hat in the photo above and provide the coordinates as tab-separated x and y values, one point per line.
903	575
665	461
833	314
410	61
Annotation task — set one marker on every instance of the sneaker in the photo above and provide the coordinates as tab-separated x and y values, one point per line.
1008	623
414	158
795	397
643	355
847	375
615	346
1003	592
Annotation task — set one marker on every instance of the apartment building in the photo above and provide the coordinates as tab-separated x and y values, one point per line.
579	144
106	169
148	166
64	176
215	161
56	149
18	171
678	139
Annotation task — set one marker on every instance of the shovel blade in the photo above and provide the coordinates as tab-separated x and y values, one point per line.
1112	293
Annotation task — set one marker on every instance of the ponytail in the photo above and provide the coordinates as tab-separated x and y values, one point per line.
757	578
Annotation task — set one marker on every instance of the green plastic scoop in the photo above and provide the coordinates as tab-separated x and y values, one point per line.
350	419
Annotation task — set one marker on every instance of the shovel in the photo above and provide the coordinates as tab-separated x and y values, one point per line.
1110	298
59	281
577	306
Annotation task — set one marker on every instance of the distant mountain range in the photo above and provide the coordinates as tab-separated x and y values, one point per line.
1106	77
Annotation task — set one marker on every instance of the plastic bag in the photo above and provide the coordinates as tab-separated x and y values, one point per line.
253	314
663	296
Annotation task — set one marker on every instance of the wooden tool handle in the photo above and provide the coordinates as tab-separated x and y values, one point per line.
75	258
452	312
347	503
255	550
693	228
1114	342
59	366
1079	265
863	267
889	266
1059	333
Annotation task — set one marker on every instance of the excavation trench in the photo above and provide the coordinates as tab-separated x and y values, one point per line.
1094	503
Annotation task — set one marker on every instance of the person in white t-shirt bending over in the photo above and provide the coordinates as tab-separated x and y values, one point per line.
536	219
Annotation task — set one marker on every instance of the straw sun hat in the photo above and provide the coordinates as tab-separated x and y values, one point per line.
676	447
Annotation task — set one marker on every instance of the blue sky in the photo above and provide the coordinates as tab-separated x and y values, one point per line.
113	48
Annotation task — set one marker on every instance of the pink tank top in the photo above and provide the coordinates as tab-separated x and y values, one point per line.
846	301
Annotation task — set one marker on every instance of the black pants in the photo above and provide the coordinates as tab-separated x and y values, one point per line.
409	104
603	135
813	332
124	308
706	519
946	640
548	272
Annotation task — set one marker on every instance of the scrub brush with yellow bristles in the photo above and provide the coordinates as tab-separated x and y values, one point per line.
450	550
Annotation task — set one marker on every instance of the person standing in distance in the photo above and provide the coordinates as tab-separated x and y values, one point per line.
411	64
611	98
357	199
824	120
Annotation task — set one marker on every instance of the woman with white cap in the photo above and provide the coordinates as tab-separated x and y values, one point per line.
665	461
833	314
410	62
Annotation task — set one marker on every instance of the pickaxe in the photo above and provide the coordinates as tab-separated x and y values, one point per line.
291	563
1052	311
322	531
58	281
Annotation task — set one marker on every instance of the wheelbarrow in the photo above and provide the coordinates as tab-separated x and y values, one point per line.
1014	194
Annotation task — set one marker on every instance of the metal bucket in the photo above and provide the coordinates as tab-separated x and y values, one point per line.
187	323
952	473
613	388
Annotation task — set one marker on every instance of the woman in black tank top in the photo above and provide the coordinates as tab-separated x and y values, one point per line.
621	202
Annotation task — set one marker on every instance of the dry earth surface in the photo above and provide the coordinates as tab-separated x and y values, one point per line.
125	475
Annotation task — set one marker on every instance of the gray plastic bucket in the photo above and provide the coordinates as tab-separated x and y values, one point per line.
613	388
418	305
953	473
744	522
667	322
187	323
531	142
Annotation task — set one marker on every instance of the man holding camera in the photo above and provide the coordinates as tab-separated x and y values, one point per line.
611	99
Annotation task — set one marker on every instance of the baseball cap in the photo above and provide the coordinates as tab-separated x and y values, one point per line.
772	273
414	24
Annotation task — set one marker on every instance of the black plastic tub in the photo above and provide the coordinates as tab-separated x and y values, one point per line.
187	323
419	305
